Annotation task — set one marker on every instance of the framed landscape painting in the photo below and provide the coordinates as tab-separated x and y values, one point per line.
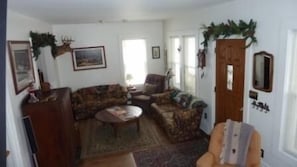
88	58
21	64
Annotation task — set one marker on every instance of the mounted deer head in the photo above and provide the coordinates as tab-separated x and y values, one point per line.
65	47
66	40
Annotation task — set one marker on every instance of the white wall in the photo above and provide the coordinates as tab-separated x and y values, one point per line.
18	28
270	15
109	36
48	66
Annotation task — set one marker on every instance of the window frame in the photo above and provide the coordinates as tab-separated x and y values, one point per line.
182	68
123	59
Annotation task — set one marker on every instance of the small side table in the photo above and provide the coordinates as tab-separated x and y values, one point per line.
130	89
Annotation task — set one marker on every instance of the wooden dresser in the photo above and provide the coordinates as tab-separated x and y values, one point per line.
52	123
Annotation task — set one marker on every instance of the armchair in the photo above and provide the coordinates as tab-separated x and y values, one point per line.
212	157
154	83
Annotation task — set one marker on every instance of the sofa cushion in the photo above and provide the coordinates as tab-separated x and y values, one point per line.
115	91
162	98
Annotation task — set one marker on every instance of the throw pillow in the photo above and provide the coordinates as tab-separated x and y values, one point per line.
185	100
149	88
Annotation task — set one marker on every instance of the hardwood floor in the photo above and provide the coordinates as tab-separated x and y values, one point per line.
119	160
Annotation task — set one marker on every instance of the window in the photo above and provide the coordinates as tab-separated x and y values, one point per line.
189	70
175	61
134	58
290	137
182	60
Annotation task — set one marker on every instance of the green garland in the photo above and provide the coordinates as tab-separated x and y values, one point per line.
247	30
42	40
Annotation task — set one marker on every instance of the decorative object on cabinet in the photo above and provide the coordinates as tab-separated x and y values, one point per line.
261	106
156	52
52	121
88	58
21	64
247	30
263	71
45	87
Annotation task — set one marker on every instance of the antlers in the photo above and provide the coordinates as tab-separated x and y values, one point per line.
65	47
66	40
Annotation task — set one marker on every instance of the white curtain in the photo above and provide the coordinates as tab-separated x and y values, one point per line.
135	63
290	140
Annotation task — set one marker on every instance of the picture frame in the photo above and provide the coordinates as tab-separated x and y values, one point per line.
87	58
21	64
156	52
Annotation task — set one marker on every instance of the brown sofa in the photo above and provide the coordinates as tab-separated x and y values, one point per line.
87	101
212	157
178	113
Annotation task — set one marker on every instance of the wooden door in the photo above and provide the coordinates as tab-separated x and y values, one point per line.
230	58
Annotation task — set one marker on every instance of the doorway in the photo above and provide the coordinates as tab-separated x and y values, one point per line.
230	70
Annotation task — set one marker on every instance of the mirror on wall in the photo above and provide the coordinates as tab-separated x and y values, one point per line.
263	71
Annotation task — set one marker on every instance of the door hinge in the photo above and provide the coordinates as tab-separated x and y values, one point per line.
215	89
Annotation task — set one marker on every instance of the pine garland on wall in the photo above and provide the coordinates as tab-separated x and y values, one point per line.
42	40
247	30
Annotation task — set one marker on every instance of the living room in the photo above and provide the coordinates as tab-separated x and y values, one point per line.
274	19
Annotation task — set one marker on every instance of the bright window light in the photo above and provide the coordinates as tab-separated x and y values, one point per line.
290	137
135	64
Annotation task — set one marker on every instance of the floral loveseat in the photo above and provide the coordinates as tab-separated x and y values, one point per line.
179	114
87	101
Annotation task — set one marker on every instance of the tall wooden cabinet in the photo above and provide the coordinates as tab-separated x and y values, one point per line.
53	125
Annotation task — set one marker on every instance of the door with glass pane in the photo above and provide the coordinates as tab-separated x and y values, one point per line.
230	64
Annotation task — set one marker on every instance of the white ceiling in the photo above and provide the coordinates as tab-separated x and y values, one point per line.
92	11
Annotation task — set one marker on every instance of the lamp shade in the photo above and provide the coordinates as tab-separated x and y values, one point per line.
129	77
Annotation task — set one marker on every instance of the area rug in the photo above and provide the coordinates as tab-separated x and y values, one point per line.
99	140
178	155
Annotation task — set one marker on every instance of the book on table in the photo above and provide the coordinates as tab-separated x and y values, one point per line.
120	113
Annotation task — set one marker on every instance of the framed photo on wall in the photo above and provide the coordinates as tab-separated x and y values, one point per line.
88	58
21	64
156	52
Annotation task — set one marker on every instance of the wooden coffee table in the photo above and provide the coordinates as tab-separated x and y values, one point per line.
119	116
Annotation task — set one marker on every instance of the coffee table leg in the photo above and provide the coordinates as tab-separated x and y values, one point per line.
115	129
138	126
